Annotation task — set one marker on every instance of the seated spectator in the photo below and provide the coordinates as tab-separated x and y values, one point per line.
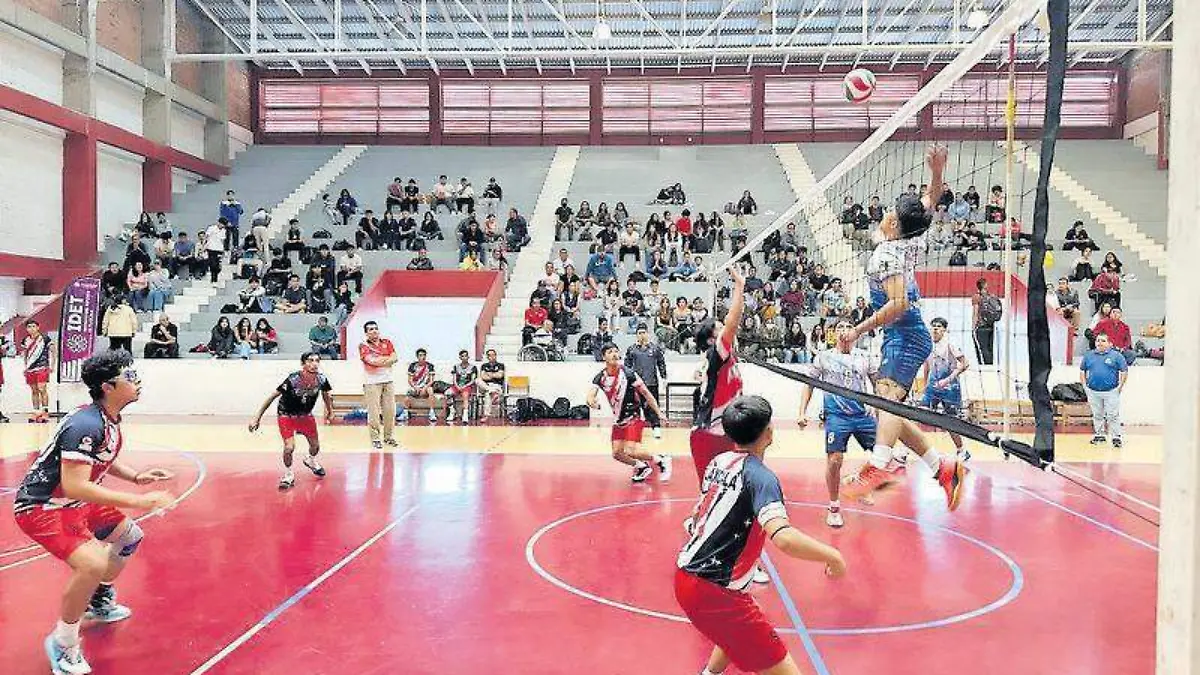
324	259
1014	231
564	320
620	214
491	231
564	219
1078	238
412	196
585	218
1106	287
544	336
320	292
1118	334
607	235
664	325
491	383
629	239
746	206
552	278
471	262
753	282
656	265
250	264
701	273
685	270
346	206
973	238
654	231
430	229
294	241
139	286
603	217
184	257
395	195
994	212
834	302
220	342
940	237
443	195
245	340
535	316
498	260
405	230
137	251
277	274
1111	263
562	261
350	268
601	338
770	338
791	303
343	303
748	339
973	200
516	231
294	299
372	234
158	290
421	262
268	339
322	339
681	318
1067	302
492	194
145	226
600	269
945	196
795	343
464	196
329	208
253	298
164	340
164	249
632	300
959	210
1090	332
571	296
672	194
471	240
421	376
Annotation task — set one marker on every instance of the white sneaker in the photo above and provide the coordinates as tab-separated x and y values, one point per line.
432	415
834	518
66	660
657	432
664	467
760	576
314	466
641	472
287	481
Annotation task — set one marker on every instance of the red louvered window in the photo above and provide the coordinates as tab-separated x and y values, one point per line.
818	103
977	101
368	107
514	107
676	105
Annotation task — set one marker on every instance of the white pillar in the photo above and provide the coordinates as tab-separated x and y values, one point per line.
1179	538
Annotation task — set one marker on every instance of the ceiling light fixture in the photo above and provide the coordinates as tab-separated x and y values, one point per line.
601	31
977	19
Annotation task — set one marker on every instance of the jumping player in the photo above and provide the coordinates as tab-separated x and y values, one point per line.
844	417
891	276
626	393
36	348
465	376
943	391
62	506
720	379
297	396
741	508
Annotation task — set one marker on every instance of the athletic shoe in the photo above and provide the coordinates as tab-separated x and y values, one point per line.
834	517
641	472
664	467
104	608
314	466
1116	442
964	455
951	475
689	525
65	660
378	445
391	442
1098	439
657	431
760	577
867	500
433	416
868	479
4	418
288	480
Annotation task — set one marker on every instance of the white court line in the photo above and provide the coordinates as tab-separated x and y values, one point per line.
299	595
1093	521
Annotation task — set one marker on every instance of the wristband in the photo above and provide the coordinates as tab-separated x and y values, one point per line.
785	527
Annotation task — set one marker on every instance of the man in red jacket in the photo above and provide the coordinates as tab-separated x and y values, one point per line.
1118	334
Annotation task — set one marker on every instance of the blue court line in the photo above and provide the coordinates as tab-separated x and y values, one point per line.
814	656
1093	521
299	595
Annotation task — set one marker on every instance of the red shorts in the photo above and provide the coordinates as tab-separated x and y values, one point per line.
706	445
40	376
61	531
290	425
732	620
630	432
455	391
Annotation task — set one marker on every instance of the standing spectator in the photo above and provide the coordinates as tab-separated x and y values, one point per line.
1106	287
1103	373
492	194
1118	334
164	340
491	383
259	223
516	231
214	246
39	361
322	339
230	211
986	310
746	206
378	355
646	359
347	206
351	268
221	342
120	325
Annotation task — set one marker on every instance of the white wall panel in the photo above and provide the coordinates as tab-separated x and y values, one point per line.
118	191
118	102
31	66
12	291
240	138
31	214
187	131
182	180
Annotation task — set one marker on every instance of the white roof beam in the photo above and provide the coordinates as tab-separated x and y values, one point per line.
300	23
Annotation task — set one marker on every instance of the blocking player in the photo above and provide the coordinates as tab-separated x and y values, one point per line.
845	418
63	507
891	277
943	391
742	507
36	348
626	393
297	396
720	379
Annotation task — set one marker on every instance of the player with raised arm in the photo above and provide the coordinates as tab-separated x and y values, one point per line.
943	391
297	396
741	508
720	378
851	368
891	277
62	506
626	394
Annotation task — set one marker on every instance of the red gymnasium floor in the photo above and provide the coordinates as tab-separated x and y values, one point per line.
470	563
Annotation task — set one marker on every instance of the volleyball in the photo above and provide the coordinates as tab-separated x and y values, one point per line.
858	85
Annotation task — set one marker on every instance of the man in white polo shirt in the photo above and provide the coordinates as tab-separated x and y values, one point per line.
378	355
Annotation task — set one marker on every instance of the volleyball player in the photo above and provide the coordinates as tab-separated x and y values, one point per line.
845	417
741	508
297	396
943	391
626	394
466	376
720	378
36	348
62	506
891	277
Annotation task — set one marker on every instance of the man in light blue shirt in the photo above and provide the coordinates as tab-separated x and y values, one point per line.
1103	373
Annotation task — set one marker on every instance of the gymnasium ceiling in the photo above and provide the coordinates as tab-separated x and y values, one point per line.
496	35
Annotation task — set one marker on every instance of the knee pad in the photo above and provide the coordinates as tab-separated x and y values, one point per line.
127	544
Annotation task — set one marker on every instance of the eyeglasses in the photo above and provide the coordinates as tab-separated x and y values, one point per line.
129	375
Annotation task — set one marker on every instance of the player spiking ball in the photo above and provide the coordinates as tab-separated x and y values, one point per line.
62	506
895	297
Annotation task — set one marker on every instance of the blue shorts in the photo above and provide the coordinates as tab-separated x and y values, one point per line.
948	402
837	436
904	352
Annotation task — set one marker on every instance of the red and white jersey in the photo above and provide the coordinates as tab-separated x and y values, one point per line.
36	353
621	390
740	496
720	383
86	436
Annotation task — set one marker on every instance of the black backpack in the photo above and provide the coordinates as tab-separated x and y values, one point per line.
322	234
584	346
580	412
1068	392
990	309
958	259
561	409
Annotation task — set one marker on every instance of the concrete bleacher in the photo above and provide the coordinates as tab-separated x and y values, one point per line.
1122	175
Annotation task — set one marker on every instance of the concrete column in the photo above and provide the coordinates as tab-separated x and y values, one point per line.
78	93
79	199
157	26
216	89
156	186
156	117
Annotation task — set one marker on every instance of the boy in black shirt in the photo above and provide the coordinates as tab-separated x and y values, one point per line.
297	396
491	382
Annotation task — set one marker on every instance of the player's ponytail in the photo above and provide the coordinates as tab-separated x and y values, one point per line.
705	334
913	217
